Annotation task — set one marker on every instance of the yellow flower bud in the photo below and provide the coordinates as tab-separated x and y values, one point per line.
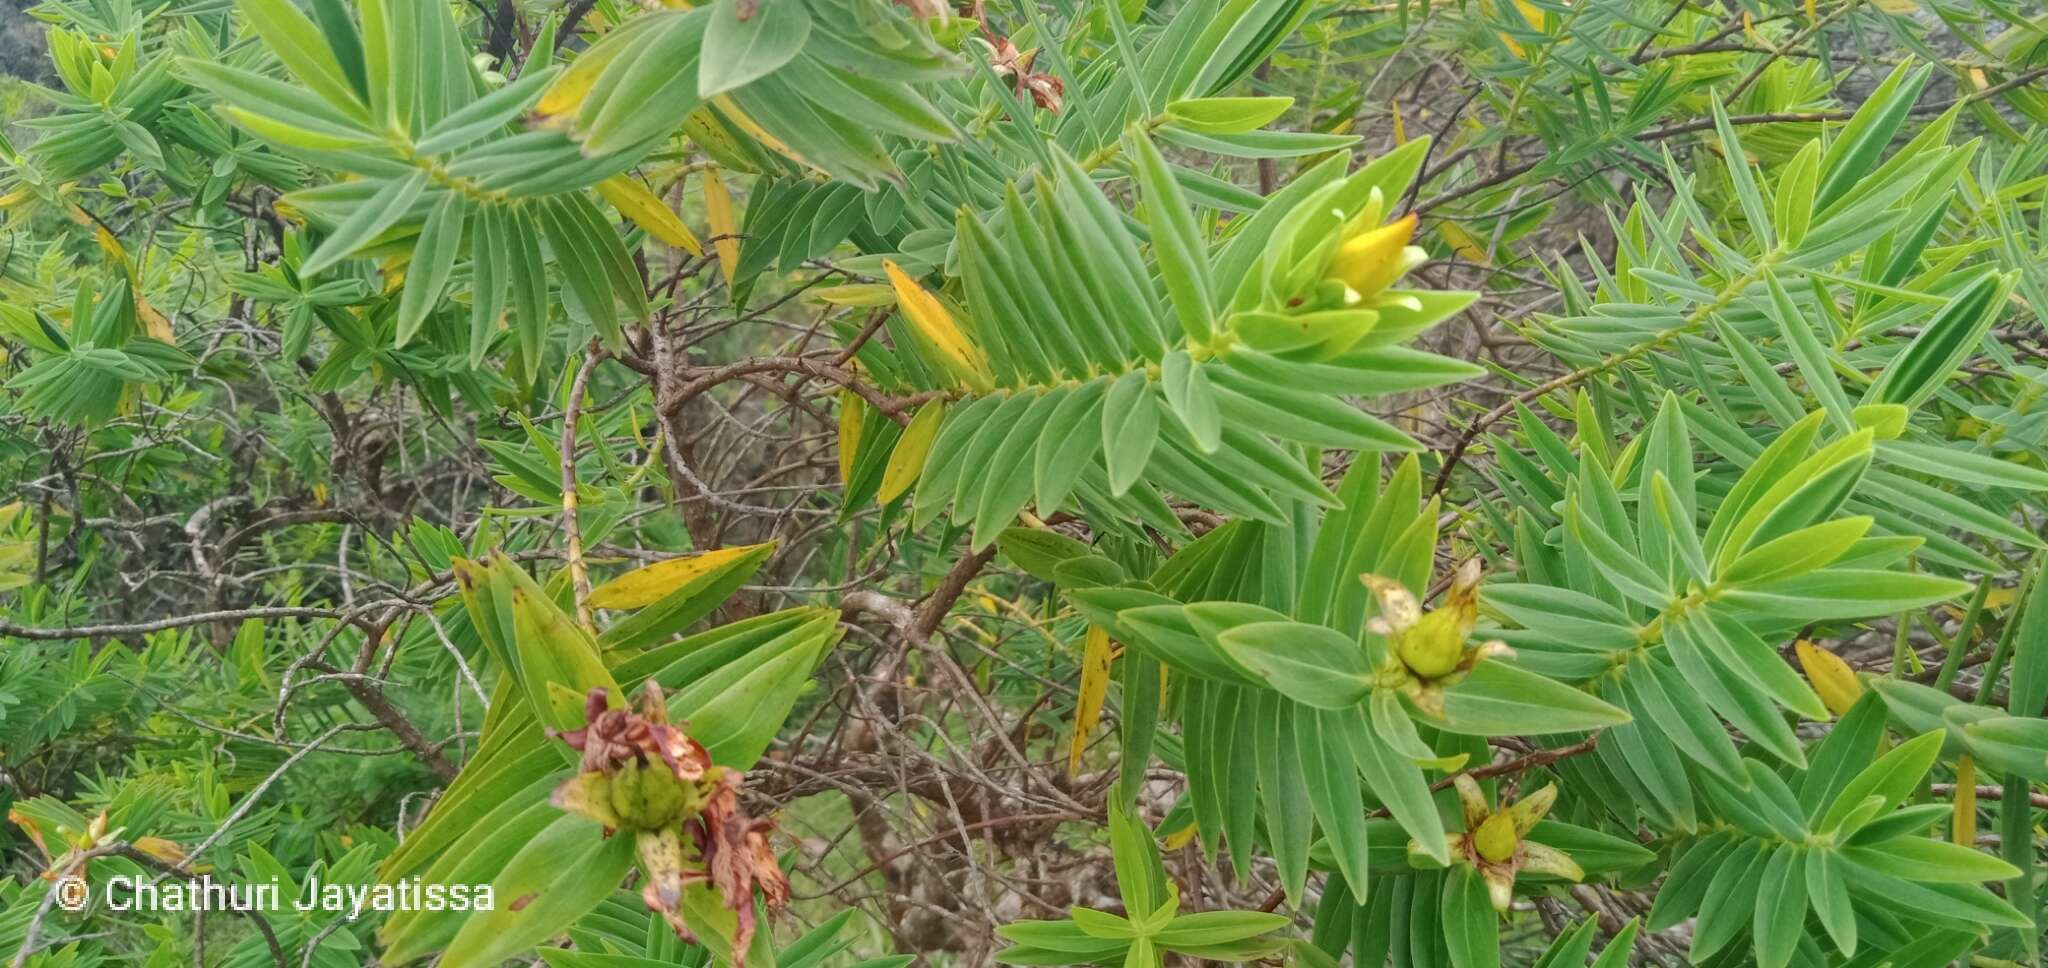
1371	260
1496	839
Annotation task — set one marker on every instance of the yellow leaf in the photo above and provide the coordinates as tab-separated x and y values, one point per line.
931	320
1963	826
709	132
744	122
907	460
1463	243
851	414
110	245
566	94
645	586
1832	678
648	211
161	849
1400	125
153	322
1897	8
1095	656
725	228
1181	837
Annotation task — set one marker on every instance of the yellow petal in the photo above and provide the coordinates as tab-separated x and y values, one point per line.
1832	679
1538	859
1500	888
645	586
1095	655
1531	808
852	413
1371	260
1397	605
648	211
936	325
906	462
1471	801
725	228
1462	599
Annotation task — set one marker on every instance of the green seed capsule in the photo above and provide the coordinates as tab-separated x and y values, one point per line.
1495	839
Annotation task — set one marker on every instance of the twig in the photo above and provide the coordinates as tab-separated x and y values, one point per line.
572	532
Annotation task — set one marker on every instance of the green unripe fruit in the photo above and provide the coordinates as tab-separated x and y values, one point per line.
646	797
1433	646
1495	840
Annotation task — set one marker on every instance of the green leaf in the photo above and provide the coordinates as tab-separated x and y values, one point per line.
1797	553
382	210
1844	593
1183	256
748	39
1931	861
1309	664
1499	698
1947	340
1470	926
1795	194
433	258
1189	396
1226	115
1130	428
1891	779
558	877
1780	908
1856	150
1829	894
1039	551
1216	927
303	49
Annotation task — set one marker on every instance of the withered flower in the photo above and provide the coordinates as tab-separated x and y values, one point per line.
611	737
1046	90
1493	841
643	776
1426	651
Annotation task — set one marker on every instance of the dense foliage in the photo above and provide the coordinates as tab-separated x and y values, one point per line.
834	482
